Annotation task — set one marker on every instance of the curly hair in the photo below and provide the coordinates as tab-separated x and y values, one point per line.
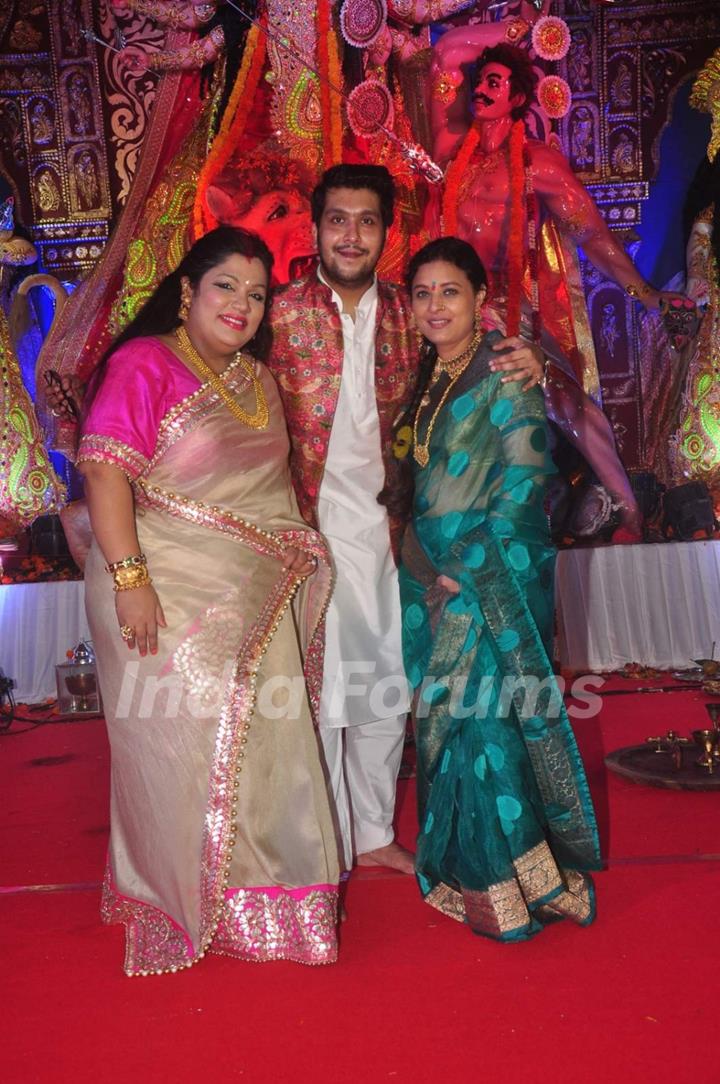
523	77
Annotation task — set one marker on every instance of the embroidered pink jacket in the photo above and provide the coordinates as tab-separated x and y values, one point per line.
306	360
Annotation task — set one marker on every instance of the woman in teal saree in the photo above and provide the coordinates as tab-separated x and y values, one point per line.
507	828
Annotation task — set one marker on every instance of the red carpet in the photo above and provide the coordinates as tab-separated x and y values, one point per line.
55	821
415	996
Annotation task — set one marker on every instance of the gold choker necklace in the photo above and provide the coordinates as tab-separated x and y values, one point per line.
259	419
454	367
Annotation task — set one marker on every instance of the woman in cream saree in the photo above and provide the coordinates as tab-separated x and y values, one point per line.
221	832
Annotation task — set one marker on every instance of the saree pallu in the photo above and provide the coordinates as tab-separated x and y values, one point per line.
221	831
507	828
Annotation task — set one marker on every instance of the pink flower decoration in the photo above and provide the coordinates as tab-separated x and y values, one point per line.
369	107
362	21
551	38
554	95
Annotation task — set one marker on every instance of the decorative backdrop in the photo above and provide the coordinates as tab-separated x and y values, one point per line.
72	127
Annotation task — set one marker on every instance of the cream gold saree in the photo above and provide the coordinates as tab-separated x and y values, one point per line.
221	832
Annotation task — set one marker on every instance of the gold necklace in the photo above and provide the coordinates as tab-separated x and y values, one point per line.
259	419
454	367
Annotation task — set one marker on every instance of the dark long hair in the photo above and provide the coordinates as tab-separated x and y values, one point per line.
397	496
235	29
159	314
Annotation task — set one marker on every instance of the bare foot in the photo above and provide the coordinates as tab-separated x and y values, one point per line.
391	855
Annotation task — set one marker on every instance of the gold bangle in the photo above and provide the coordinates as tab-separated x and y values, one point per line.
516	28
130	585
636	292
122	575
130	572
129	579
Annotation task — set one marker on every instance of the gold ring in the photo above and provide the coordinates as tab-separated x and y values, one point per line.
127	632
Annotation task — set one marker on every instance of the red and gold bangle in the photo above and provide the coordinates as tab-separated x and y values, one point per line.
133	561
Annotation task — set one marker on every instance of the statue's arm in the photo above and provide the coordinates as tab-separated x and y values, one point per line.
574	210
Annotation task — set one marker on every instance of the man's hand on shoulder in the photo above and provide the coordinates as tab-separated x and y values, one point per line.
520	360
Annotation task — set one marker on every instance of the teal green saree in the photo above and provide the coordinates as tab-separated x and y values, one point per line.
507	828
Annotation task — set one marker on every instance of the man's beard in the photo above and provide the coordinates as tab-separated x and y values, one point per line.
349	276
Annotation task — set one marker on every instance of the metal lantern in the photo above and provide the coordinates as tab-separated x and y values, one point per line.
78	691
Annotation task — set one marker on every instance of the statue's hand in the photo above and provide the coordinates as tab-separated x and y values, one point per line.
699	290
64	396
658	299
133	58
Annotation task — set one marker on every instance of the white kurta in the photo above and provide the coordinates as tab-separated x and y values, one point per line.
363	672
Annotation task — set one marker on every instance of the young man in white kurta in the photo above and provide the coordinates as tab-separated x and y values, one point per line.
365	699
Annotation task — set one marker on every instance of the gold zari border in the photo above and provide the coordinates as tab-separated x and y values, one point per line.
505	907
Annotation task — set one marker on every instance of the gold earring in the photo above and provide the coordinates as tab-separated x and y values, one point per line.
184	310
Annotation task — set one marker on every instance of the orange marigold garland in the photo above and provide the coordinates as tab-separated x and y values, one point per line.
456	172
335	78
517	222
328	59
533	229
232	126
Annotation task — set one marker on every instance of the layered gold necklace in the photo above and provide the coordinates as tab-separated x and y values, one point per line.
259	419
454	367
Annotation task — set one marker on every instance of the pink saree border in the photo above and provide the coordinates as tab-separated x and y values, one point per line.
154	942
256	924
274	923
95	448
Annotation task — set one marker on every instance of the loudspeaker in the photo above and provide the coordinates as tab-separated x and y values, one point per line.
47	538
688	509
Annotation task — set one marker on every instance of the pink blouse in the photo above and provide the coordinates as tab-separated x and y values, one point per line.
143	380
